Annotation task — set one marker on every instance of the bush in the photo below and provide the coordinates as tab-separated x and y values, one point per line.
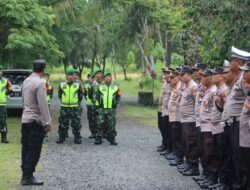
132	68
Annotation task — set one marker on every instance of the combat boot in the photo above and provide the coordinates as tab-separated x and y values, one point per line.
192	171
92	136
213	179
202	177
112	141
177	161
61	139
77	140
4	138
98	140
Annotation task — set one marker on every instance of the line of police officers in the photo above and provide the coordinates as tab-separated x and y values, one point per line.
204	117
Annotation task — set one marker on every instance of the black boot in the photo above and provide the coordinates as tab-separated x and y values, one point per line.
98	140
77	140
61	139
213	179
177	161
170	156
92	136
4	138
192	171
112	141
202	177
31	181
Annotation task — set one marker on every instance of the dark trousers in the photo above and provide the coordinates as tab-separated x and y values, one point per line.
176	130
160	124
190	142
32	140
200	144
231	168
208	155
245	166
167	140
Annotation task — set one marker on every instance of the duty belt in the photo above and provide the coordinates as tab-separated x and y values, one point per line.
232	120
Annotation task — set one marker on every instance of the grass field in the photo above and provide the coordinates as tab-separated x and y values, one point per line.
10	156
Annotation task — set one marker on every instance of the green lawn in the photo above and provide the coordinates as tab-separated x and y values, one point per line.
10	155
145	115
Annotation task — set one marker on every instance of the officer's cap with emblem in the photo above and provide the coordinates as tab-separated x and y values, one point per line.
199	66
246	67
168	70
39	64
70	71
97	71
217	70
185	70
207	73
107	74
240	54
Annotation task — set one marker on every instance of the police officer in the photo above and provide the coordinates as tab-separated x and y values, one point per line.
174	118
36	121
89	104
245	131
208	155
108	96
159	112
70	94
5	89
167	151
189	130
217	130
233	108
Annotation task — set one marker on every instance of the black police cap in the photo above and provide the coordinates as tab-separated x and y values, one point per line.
217	70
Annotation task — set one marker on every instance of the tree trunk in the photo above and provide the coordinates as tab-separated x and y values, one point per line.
113	62
103	63
124	68
169	50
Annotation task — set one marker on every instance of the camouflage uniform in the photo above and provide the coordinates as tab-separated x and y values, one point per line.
3	118
107	113
89	103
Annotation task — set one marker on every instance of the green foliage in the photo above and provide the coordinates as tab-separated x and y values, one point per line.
26	32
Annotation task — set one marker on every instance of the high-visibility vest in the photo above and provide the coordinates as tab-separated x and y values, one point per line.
70	94
108	94
89	102
3	91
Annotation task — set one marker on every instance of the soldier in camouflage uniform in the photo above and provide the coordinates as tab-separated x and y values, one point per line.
98	78
70	94
5	88
108	96
89	104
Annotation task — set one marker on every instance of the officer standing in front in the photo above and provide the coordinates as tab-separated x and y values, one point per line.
70	94
36	121
5	89
108	96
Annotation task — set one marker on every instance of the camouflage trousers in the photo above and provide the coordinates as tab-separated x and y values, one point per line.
106	123
90	119
3	118
95	118
69	116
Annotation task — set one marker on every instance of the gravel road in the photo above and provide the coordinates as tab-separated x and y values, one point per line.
134	164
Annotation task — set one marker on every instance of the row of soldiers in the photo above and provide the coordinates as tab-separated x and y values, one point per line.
204	117
102	96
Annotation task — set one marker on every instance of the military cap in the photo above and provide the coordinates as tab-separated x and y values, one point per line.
199	66
97	71
240	54
186	69
207	73
70	71
217	70
246	67
107	74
